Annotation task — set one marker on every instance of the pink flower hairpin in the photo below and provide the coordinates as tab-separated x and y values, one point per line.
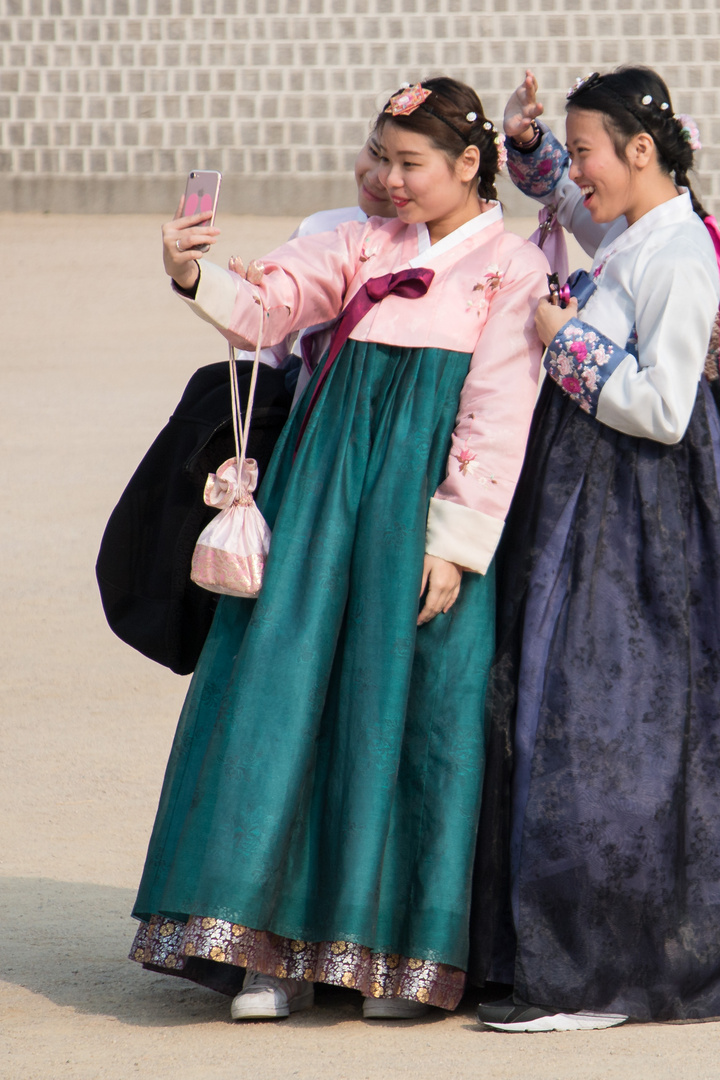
407	100
502	151
689	130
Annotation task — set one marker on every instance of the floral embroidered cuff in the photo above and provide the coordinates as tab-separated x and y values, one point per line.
581	360
537	172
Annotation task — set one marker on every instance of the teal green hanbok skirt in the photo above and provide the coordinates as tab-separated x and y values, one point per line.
319	812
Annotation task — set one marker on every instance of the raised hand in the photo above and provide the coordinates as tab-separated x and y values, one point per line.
184	239
522	108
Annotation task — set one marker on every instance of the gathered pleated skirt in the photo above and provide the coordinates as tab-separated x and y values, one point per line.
319	813
599	859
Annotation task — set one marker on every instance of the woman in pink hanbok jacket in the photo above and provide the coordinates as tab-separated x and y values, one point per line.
320	808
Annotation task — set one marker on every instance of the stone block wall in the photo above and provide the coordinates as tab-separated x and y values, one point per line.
106	104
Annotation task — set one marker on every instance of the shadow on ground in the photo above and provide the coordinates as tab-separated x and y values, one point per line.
85	965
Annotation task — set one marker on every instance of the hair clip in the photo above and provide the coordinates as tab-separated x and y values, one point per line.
664	106
407	100
487	126
472	117
689	130
584	83
646	100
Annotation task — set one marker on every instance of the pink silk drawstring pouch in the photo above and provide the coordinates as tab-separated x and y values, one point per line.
231	551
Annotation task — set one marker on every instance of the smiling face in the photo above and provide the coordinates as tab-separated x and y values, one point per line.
613	185
423	184
606	181
373	198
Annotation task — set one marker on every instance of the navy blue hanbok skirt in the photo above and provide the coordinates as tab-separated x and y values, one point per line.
598	872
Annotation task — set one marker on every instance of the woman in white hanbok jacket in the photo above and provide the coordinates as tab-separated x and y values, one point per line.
602	854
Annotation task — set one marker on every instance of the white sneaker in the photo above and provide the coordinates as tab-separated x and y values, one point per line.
265	997
512	1015
395	1008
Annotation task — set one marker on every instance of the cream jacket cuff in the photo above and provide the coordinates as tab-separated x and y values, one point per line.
461	535
215	297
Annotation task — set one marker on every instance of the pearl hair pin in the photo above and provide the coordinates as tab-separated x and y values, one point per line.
648	100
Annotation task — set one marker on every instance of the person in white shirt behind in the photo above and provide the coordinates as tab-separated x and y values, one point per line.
373	201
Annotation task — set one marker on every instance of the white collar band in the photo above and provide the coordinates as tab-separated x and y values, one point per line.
428	251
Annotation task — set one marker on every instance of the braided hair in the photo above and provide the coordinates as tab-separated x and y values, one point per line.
444	120
632	100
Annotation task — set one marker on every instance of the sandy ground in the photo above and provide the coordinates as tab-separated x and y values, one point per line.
95	352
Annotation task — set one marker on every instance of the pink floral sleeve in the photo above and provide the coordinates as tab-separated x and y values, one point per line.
537	172
580	359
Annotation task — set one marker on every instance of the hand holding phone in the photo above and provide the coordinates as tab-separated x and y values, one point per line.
201	193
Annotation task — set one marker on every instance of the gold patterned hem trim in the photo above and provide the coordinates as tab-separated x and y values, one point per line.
166	943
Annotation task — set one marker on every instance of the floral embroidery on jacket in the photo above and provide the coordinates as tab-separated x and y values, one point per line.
598	271
537	173
493	277
368	250
469	467
479	304
574	359
493	280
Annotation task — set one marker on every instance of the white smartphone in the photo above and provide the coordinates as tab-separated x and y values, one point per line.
201	193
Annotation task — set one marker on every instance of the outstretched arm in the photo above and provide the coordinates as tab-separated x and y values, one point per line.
538	165
303	283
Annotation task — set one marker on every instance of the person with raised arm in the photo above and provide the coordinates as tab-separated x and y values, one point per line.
604	879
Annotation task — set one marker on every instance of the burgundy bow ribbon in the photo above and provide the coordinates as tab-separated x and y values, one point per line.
410	284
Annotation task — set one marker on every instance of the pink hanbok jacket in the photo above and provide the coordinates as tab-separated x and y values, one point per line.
481	301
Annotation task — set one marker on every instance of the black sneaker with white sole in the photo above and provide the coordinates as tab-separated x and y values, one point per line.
514	1015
